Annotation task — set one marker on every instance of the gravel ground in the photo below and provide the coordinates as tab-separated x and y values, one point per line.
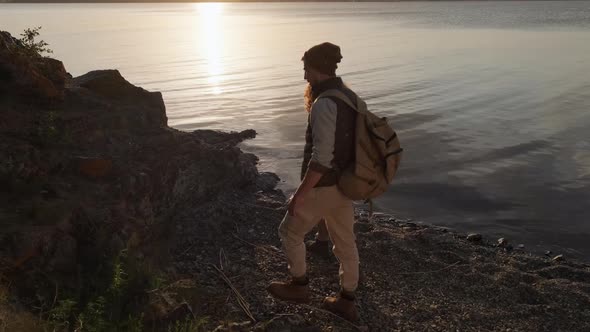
414	277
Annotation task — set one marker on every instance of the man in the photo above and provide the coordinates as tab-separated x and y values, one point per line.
330	146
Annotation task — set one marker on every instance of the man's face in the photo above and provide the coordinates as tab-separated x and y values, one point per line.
311	75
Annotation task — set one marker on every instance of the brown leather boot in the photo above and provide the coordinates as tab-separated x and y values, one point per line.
341	306
295	290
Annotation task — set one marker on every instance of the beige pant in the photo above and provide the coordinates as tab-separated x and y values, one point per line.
337	210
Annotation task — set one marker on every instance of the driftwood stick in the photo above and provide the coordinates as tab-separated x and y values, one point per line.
433	271
258	206
222	259
272	252
187	249
359	328
241	301
55	296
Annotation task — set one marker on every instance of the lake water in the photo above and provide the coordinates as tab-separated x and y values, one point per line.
491	100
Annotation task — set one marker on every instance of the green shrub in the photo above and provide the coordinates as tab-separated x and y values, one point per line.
31	47
188	325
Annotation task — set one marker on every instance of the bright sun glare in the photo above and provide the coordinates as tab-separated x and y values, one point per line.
209	8
210	16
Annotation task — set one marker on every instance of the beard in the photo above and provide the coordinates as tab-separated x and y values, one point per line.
308	98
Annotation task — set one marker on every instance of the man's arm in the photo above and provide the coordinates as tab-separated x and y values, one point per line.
310	179
323	123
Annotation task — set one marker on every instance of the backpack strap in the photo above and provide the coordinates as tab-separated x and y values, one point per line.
340	95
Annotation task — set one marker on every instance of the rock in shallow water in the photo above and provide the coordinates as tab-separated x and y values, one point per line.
474	237
558	258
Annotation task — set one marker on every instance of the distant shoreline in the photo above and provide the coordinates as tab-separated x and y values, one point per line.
279	1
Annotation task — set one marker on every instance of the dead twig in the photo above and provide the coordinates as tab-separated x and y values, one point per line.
359	328
3	278
272	252
55	296
161	288
433	271
222	259
187	249
257	206
190	309
244	241
241	301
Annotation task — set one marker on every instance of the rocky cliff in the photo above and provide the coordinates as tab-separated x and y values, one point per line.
90	171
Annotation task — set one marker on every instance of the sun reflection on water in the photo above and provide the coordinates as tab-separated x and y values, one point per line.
211	41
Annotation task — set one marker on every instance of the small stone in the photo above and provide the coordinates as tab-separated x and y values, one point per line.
239	326
548	253
233	269
474	237
296	320
232	308
502	242
94	167
134	240
48	193
558	258
282	323
363	227
407	226
235	326
520	246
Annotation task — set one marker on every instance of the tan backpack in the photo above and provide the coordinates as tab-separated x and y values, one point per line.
377	153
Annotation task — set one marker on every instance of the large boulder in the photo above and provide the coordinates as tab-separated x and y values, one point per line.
110	85
39	78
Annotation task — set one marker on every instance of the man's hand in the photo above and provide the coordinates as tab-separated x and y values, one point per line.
310	179
295	202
